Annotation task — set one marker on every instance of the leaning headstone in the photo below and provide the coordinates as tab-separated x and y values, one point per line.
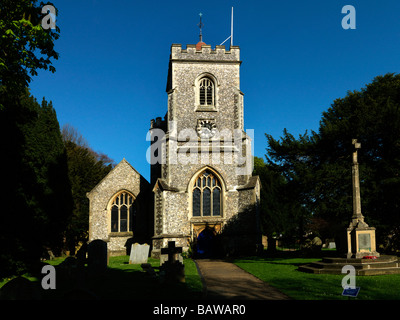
97	257
20	288
139	253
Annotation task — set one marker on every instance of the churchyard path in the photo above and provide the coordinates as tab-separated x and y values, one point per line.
225	281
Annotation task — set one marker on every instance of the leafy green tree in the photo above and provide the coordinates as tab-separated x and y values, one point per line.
318	165
36	202
371	115
280	213
25	46
86	168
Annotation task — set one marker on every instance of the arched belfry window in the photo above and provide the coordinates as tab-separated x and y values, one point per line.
122	212
207	195
206	92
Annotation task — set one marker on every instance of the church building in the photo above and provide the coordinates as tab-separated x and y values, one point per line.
202	194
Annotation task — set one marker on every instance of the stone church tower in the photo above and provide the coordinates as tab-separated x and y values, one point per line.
205	197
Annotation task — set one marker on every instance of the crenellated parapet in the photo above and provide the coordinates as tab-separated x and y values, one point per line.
204	53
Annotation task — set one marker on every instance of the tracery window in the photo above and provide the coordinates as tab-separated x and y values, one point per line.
207	195
206	92
122	212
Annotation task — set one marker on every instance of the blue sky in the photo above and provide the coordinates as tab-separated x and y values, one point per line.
112	71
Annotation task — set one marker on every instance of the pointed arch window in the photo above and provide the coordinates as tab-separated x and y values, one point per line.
207	195
122	212
206	92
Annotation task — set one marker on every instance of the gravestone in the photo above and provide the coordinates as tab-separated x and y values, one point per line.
139	253
173	268
148	269
332	245
97	257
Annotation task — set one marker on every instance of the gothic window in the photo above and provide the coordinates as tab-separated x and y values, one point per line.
122	213
206	92
207	195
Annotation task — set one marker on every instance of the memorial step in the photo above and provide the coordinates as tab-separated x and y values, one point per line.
382	265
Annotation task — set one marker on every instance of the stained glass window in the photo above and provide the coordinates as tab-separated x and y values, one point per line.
114	219
123	204
123	222
196	202
206	93
206	202
216	202
207	195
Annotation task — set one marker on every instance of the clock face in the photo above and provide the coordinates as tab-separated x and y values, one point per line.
206	128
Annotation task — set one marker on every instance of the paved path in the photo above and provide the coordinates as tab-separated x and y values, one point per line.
224	280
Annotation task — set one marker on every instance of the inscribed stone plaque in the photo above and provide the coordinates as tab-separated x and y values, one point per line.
139	253
364	242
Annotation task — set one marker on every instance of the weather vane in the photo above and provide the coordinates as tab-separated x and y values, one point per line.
201	24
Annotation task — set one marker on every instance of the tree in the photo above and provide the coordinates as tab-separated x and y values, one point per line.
86	168
280	213
25	46
36	201
372	115
319	164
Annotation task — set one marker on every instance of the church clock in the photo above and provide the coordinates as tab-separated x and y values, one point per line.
206	128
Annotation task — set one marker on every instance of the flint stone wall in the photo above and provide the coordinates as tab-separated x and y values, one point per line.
123	177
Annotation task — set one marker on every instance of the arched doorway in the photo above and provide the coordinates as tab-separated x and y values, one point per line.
206	243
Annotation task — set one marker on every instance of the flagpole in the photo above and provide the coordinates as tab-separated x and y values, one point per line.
231	36
232	28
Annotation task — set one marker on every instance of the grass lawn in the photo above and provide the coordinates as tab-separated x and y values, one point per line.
126	281
282	273
122	281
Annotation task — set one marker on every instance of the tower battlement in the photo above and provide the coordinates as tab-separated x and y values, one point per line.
205	53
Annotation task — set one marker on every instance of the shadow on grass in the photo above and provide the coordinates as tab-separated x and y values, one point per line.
137	285
123	282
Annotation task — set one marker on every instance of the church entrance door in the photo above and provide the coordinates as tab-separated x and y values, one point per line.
206	243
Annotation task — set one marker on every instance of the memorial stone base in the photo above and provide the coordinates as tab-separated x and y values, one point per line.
361	242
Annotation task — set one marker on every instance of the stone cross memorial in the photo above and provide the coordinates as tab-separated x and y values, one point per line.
139	253
171	250
173	268
360	237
